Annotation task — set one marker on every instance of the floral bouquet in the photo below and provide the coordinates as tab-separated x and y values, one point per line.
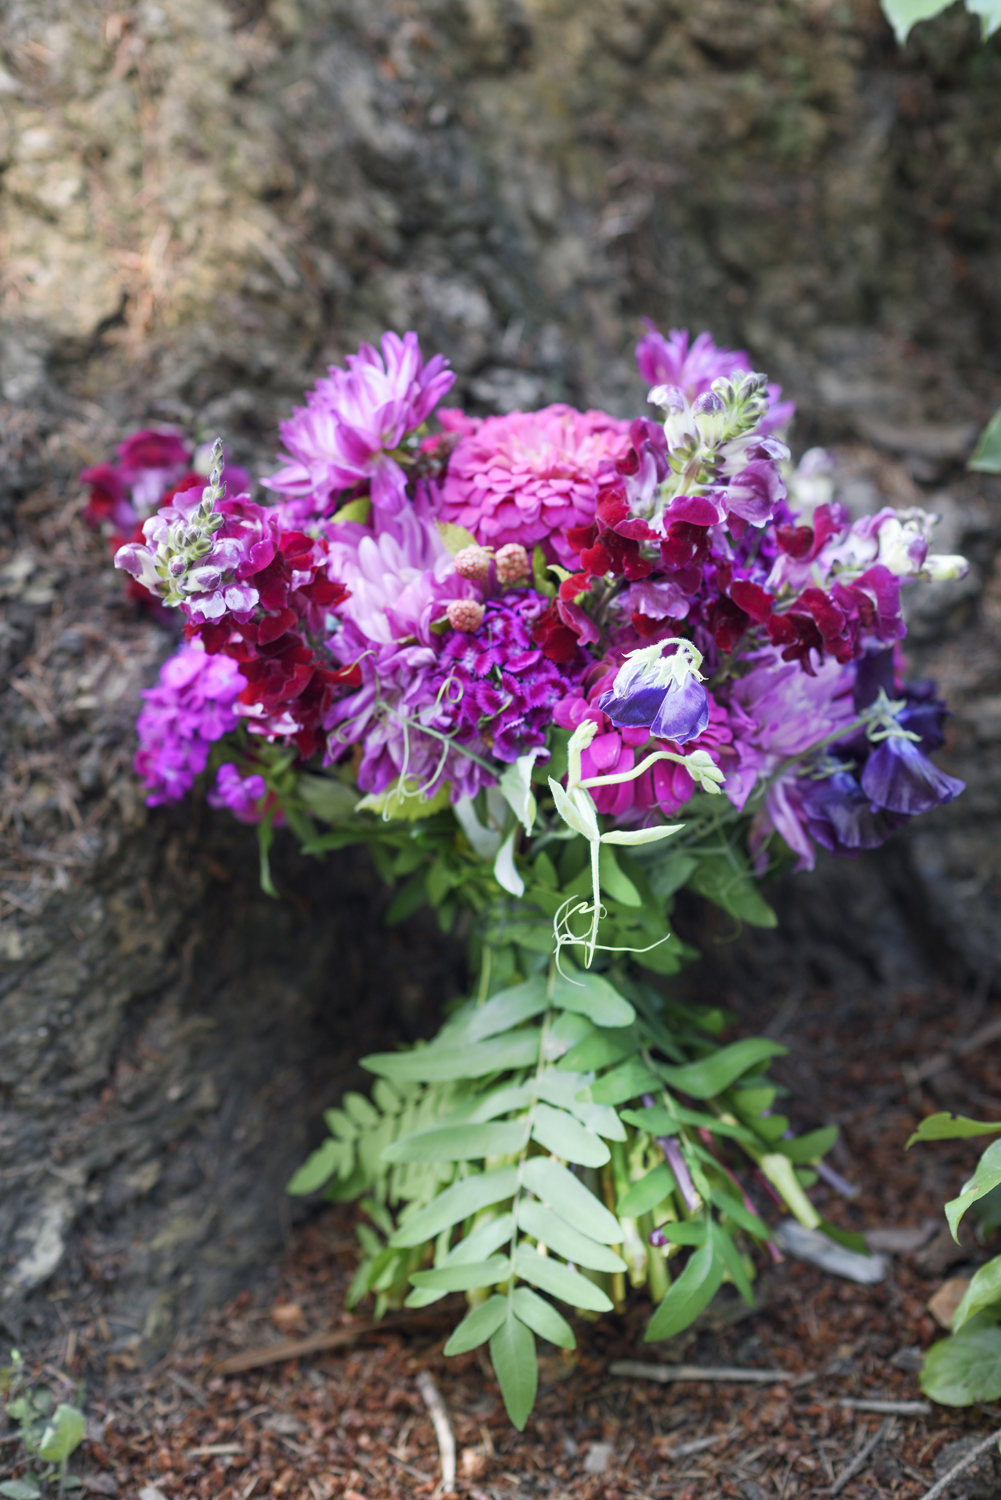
551	667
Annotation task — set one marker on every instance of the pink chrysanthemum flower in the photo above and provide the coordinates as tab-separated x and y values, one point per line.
355	418
529	476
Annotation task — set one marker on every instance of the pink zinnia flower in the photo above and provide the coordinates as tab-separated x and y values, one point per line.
529	476
355	418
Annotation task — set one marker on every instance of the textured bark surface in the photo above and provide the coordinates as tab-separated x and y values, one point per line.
202	204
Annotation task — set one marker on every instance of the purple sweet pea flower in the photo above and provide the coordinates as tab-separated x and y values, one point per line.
841	817
664	692
898	776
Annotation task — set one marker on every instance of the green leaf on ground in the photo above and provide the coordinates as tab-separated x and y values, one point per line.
543	1225
985	1178
964	1368
983	1292
542	1318
946	1127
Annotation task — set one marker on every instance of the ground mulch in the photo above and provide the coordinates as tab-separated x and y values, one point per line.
351	1423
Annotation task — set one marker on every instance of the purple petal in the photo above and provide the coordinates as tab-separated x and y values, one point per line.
898	777
633	709
684	713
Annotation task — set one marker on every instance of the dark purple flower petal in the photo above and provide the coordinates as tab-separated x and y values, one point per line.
684	713
899	777
841	817
639	707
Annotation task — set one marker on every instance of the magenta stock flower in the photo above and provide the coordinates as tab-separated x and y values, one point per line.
530	476
241	795
191	706
354	420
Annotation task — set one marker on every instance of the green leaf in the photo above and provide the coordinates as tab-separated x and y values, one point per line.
734	889
405	801
478	1326
669	871
465	1278
409	898
20	1489
810	1147
460	1201
317	1169
512	1350
564	1136
554	1232
741	1215
482	1242
355	510
691	1232
440	1061
459	1142
730	1256
570	1198
559	1281
965	1368
506	1009
542	1318
327	797
618	885
686	1297
561	1088
903	14
984	1291
360	1110
589	994
600	1048
946	1127
659	1120
624	1082
63	1435
645	1195
986	1177
713	1074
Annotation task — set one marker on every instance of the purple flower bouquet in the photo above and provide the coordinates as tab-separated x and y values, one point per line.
551	667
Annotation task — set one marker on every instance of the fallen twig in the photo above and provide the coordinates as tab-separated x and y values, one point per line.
316	1343
189	1386
941	1485
698	1445
667	1373
887	1408
862	1457
431	1396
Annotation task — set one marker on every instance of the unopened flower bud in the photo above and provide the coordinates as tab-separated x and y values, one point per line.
710	413
512	563
465	614
941	567
473	563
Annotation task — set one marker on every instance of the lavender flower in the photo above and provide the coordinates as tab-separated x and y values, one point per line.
354	420
191	706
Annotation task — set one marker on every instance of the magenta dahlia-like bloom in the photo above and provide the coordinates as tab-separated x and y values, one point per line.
529	476
693	367
191	706
401	578
354	419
